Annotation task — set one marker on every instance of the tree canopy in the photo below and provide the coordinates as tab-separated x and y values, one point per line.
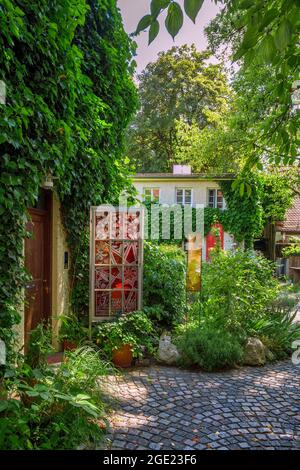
257	34
180	89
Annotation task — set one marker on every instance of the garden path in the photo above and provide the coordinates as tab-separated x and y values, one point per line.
164	408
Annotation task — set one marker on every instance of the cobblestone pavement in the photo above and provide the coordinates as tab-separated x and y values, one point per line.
164	408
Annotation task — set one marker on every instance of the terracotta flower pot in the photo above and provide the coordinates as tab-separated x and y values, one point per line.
122	357
69	345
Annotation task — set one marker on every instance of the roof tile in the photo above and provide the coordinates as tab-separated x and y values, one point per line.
292	218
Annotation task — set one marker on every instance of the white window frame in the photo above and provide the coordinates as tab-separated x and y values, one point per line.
183	196
151	189
215	198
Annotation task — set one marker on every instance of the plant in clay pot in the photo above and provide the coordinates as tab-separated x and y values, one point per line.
71	332
125	337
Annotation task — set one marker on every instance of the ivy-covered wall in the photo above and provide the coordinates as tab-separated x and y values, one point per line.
243	217
67	67
253	199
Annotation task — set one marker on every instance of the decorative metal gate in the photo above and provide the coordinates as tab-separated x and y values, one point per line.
116	259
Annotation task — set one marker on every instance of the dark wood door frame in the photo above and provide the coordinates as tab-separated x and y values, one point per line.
41	214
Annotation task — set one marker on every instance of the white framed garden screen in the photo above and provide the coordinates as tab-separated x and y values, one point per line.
116	261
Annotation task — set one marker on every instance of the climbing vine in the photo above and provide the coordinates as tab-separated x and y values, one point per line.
252	200
67	69
243	217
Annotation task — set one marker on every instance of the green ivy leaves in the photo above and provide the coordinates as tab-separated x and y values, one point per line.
68	116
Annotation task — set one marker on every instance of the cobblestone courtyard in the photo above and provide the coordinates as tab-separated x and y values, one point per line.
163	408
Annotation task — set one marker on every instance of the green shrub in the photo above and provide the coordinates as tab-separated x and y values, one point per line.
134	328
164	283
54	408
156	314
293	250
278	330
39	346
238	288
71	329
240	298
208	347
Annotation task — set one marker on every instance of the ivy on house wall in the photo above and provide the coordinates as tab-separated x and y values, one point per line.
243	217
97	174
67	69
252	199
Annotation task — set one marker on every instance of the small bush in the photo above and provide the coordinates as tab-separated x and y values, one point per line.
278	331
293	249
39	346
164	284
238	288
209	347
54	408
72	329
135	329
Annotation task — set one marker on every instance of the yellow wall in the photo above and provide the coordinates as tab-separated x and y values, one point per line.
60	275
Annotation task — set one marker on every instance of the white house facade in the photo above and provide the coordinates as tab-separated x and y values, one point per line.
183	187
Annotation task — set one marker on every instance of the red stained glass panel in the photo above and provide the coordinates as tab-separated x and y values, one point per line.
116	261
130	253
101	252
130	278
116	301
116	253
130	301
102	278
116	278
101	304
102	226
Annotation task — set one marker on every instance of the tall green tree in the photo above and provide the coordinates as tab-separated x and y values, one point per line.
179	86
258	34
265	82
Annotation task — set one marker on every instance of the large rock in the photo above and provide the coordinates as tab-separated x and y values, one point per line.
254	352
167	351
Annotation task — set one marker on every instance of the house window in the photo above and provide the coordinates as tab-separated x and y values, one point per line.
151	194
216	199
184	196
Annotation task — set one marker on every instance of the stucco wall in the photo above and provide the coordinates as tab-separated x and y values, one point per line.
60	274
199	196
168	190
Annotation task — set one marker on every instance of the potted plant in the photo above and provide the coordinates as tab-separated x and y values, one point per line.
71	332
125	337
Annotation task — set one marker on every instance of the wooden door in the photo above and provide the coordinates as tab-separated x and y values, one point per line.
37	263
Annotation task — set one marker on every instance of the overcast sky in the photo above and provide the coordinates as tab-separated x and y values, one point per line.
133	10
